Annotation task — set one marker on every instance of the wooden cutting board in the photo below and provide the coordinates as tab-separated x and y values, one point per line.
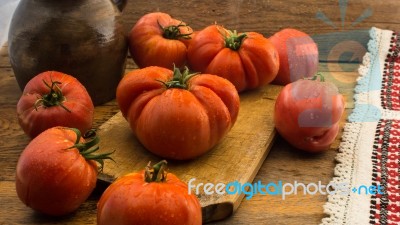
237	157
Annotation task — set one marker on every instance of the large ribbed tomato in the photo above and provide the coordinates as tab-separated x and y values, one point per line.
307	114
248	60
54	99
159	40
149	197
57	171
175	115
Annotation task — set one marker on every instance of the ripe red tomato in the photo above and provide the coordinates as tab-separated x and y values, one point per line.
159	40
248	60
149	197
57	171
298	55
307	114
54	99
174	115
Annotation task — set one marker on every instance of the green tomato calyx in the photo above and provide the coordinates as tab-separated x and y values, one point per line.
173	32
316	77
156	173
54	98
234	40
180	79
89	147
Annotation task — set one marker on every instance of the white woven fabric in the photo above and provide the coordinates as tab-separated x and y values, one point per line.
360	152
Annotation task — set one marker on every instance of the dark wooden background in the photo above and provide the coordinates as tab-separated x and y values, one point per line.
269	16
344	23
341	49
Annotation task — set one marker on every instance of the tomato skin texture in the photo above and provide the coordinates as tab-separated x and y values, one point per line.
298	54
253	65
148	47
177	123
307	114
52	179
77	100
131	200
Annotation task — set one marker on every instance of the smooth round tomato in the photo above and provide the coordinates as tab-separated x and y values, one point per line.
149	197
307	114
298	55
54	99
159	40
53	175
248	60
177	115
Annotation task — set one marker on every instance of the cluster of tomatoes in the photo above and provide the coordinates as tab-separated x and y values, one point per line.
174	113
57	171
307	111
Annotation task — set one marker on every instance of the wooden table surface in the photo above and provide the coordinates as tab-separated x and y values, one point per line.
283	163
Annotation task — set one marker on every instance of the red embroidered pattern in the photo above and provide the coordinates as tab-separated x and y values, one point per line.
390	92
385	208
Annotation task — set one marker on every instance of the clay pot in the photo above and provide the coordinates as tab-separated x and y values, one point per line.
84	38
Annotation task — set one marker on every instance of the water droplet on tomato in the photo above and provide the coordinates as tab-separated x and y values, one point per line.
309	139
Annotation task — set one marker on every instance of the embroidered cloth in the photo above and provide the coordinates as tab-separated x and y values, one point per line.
369	155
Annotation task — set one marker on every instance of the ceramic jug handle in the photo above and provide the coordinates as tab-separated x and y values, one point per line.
120	4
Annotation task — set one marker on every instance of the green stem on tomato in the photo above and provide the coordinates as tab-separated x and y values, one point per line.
54	98
173	32
315	77
233	40
157	173
179	79
89	147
